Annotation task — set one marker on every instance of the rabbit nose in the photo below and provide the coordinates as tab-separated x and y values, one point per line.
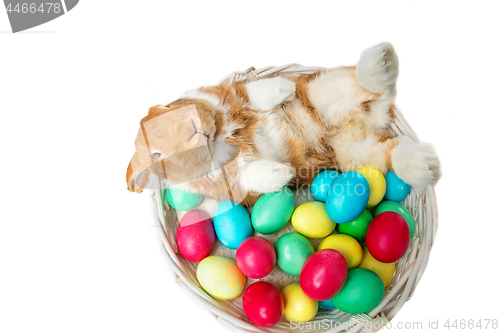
207	136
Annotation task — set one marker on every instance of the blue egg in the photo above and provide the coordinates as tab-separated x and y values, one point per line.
321	183
347	197
326	305
232	224
396	188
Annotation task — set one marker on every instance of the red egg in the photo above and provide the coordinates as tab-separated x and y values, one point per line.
388	237
263	304
256	257
323	274
195	235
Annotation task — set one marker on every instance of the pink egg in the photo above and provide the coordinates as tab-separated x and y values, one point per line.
195	235
255	257
323	274
263	304
388	237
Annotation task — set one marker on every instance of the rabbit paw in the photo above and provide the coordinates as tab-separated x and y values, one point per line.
415	163
266	176
378	68
268	93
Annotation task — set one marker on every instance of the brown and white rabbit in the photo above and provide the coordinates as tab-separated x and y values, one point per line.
240	140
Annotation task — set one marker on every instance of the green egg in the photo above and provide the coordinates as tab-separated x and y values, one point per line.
363	291
182	200
357	228
272	211
396	207
292	250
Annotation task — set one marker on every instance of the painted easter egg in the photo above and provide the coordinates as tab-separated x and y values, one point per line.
397	189
272	211
220	277
182	200
388	237
321	183
358	227
362	292
292	251
384	270
256	257
311	220
298	306
195	235
263	304
323	274
232	224
376	181
347	197
346	245
326	305
396	207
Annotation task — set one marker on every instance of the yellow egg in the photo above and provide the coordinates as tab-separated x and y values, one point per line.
220	277
376	181
385	271
311	220
346	245
298	306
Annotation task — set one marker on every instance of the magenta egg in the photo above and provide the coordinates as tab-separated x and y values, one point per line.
263	304
388	237
323	274
256	257
195	235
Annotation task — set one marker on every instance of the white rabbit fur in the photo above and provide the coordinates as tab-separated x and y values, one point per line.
241	140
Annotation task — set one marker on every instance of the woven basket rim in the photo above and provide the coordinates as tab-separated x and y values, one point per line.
409	269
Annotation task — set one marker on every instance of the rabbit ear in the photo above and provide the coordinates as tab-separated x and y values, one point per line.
137	174
144	173
144	169
138	168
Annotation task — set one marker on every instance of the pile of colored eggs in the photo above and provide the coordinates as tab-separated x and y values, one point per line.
359	221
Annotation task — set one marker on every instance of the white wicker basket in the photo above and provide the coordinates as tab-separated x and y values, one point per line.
409	269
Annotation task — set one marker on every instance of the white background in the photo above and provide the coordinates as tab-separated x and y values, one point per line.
79	253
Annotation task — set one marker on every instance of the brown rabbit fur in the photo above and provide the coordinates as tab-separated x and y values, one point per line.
240	140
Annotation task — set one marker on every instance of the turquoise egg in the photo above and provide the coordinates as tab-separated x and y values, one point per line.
321	183
292	250
183	200
347	197
396	188
326	305
363	291
272	211
232	224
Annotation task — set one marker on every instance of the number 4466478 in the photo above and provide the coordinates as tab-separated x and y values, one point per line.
471	324
44	7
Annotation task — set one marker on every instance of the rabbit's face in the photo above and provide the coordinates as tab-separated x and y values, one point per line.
174	143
